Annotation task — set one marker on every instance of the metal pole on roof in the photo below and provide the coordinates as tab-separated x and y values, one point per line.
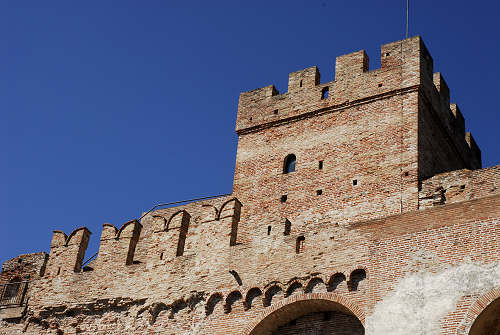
407	16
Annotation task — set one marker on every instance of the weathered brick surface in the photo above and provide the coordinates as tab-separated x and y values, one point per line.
393	244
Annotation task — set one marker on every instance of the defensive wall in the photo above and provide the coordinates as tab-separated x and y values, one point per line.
404	237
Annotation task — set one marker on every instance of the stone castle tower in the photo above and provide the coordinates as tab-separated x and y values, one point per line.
359	206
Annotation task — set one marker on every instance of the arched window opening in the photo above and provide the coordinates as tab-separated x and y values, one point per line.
300	244
324	92
289	165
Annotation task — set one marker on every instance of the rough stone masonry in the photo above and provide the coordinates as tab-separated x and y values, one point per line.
359	206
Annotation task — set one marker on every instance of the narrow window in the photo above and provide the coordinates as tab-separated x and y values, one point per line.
300	83
354	182
283	198
288	227
161	256
289	165
324	92
275	112
320	165
380	85
268	230
319	192
299	246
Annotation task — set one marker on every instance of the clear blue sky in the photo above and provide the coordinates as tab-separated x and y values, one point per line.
109	107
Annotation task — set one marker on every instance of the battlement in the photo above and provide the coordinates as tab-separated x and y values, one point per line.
405	64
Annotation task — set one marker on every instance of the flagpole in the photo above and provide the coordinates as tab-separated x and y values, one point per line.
407	16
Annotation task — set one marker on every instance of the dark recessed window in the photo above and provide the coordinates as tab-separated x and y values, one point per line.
380	85
300	83
268	230
319	192
355	182
275	111
387	54
289	164
320	165
283	198
406	174
324	92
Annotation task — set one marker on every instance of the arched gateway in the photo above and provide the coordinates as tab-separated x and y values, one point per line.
488	322
315	313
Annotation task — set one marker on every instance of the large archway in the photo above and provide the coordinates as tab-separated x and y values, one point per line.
320	313
488	322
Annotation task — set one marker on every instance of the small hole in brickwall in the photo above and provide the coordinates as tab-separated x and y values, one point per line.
300	244
161	255
354	182
387	54
380	85
288	227
251	119
283	198
275	111
319	192
462	187
300	83
268	230
320	165
406	174
324	92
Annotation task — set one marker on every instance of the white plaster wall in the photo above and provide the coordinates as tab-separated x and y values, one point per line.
421	299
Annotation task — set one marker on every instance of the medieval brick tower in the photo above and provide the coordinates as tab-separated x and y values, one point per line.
359	206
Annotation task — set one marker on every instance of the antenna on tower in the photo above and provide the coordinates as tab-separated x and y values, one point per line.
407	16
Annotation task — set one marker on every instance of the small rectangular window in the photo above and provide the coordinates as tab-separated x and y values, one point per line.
283	198
324	93
320	165
355	182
